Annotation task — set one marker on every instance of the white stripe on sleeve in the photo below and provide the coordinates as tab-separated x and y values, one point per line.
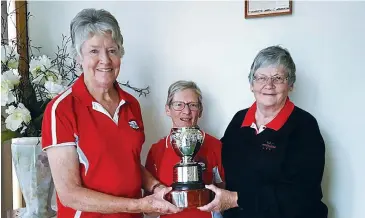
53	115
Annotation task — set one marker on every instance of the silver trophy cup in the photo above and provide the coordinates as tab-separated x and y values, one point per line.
188	187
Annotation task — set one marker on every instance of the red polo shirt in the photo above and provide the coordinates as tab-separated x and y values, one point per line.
108	146
162	158
275	124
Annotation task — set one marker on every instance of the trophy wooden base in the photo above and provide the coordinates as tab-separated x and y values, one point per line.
190	198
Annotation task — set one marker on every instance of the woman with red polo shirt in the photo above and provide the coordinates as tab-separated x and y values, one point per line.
93	132
273	152
184	107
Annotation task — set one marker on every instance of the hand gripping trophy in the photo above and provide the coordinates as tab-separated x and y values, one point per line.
188	189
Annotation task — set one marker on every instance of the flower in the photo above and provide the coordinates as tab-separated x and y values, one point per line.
42	70
9	80
18	117
13	64
53	89
7	95
12	77
9	56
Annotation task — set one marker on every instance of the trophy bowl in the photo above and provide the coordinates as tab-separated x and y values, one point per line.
186	142
188	189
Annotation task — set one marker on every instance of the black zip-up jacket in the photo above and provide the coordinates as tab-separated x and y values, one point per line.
276	173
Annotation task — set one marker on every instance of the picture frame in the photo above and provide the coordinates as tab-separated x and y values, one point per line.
261	8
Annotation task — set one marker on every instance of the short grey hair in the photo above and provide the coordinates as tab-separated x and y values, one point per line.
89	22
274	56
182	85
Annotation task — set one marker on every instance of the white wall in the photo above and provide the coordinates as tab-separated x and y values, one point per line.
212	44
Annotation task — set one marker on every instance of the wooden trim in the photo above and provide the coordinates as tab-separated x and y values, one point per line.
22	38
21	7
269	14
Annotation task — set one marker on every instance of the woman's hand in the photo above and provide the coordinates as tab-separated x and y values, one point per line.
222	201
160	187
155	204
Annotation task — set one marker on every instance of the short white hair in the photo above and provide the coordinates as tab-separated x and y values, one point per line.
182	85
90	22
274	56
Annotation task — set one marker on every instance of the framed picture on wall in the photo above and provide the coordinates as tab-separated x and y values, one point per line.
260	8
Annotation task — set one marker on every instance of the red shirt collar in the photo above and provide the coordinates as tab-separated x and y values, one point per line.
276	123
79	90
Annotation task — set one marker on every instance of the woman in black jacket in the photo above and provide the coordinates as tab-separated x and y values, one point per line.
273	152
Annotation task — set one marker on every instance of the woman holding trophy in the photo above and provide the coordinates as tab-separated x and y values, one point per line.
187	158
273	152
93	132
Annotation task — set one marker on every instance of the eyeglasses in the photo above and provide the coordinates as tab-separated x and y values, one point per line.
179	105
274	79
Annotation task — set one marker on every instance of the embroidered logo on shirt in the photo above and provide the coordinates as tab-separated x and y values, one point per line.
268	146
133	124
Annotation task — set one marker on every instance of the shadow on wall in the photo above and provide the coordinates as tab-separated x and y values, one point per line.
153	125
328	178
305	96
208	121
337	159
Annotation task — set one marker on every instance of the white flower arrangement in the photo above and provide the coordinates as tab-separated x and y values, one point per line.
47	78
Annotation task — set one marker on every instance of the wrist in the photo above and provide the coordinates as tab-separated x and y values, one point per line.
129	205
234	199
157	187
142	204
